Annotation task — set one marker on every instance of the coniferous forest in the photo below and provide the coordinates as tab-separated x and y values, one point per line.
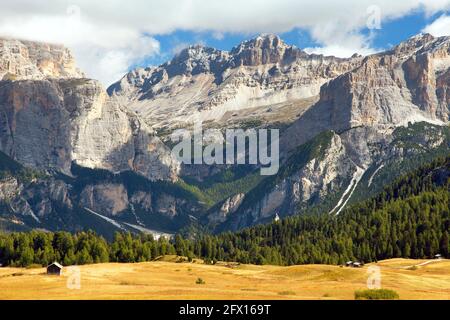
409	219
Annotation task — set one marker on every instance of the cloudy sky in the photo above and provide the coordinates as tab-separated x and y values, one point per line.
110	37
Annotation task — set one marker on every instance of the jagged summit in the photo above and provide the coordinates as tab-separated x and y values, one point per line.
206	82
262	41
57	117
413	44
196	59
264	49
197	52
347	111
21	59
421	43
261	50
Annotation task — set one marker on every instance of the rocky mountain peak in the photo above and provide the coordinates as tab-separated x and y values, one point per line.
27	60
407	84
52	117
197	53
196	59
264	49
210	83
263	41
61	124
414	44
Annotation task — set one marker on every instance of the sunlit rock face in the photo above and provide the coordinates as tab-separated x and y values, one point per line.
352	115
22	60
209	85
409	83
51	117
52	123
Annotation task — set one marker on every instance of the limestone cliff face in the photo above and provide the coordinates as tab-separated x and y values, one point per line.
362	100
22	60
51	117
49	124
316	179
407	84
265	49
9	188
104	205
35	127
229	206
34	201
108	199
207	84
106	136
348	167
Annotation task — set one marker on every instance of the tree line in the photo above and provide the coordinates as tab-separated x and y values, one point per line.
409	219
42	248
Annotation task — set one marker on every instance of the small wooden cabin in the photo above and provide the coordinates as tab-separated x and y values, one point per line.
354	264
54	269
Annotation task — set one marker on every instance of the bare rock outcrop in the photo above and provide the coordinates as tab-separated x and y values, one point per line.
49	124
228	207
27	60
320	176
9	188
205	84
389	89
107	199
51	117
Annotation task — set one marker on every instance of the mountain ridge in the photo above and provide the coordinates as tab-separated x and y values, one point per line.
22	59
257	73
377	113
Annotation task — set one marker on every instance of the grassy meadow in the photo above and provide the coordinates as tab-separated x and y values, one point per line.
166	279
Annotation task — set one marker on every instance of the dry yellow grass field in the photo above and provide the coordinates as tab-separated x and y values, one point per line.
169	280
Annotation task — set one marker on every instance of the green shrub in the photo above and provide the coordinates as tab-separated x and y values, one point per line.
376	294
200	281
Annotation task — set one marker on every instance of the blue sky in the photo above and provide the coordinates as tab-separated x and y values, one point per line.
391	33
109	38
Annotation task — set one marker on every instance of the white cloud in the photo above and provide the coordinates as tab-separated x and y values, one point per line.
108	36
178	47
103	50
440	27
341	44
340	51
218	35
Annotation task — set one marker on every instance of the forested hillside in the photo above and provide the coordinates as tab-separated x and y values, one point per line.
409	219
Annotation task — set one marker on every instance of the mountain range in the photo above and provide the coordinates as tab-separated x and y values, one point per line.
75	156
